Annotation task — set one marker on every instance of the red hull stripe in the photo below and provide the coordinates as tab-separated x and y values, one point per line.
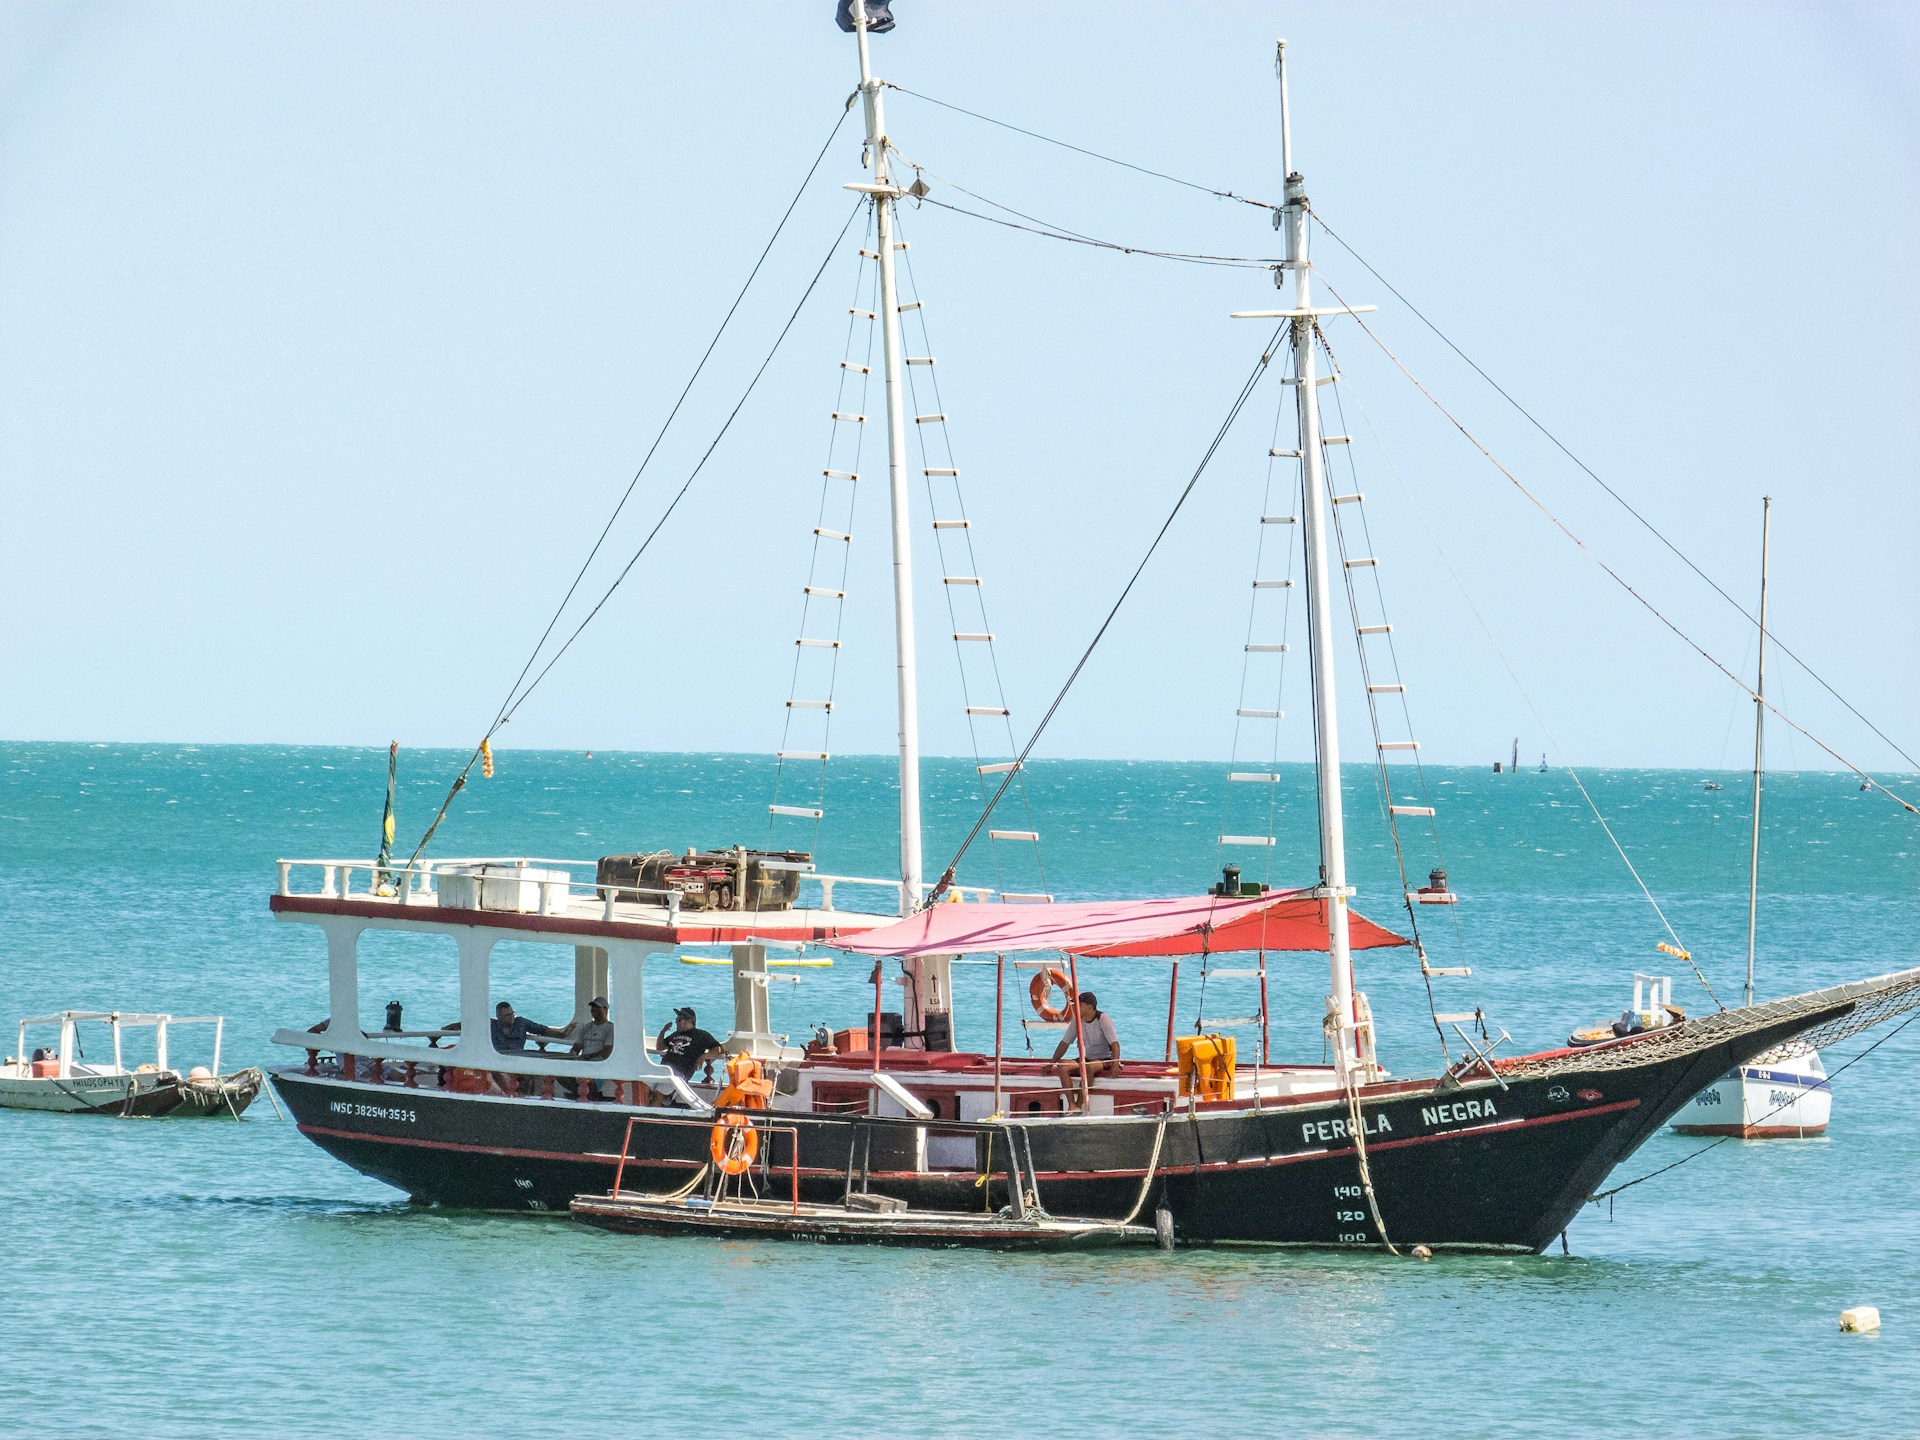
1333	1154
1215	1165
571	1157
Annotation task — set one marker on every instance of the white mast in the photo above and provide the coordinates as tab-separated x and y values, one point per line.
1759	736
1326	723
884	195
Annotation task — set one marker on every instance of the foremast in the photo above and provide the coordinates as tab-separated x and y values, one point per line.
884	196
1759	742
1349	1034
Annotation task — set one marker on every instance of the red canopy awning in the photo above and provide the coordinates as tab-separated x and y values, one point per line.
1277	920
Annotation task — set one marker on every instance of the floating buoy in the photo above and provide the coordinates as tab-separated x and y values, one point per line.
1860	1320
1163	1229
1421	1252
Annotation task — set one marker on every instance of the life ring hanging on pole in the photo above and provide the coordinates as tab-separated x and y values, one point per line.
734	1144
1040	992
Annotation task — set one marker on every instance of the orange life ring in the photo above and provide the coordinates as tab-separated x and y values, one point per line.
734	1145
1041	989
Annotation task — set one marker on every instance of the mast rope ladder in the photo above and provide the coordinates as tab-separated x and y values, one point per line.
1263	681
976	656
823	597
1351	509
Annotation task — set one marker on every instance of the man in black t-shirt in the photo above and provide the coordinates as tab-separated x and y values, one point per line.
684	1047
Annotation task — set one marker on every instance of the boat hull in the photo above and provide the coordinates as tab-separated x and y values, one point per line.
224	1095
1784	1098
1481	1166
127	1094
827	1225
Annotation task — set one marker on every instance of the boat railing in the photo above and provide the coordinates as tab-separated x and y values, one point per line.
556	893
391	1060
828	882
550	883
760	1122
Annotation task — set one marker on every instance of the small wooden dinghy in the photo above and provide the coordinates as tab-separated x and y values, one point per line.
750	1217
205	1093
725	1197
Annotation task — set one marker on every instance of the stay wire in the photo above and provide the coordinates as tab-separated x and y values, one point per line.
646	460
1546	729
1608	570
1617	497
1082	150
516	701
706	455
1246	393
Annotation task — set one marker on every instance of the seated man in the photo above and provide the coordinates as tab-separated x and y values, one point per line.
592	1040
1101	1052
684	1047
509	1033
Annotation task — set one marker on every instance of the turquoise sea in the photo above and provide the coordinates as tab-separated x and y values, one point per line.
208	1279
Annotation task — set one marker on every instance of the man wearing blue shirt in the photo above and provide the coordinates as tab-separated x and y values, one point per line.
510	1031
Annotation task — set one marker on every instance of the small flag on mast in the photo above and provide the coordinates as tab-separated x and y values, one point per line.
879	17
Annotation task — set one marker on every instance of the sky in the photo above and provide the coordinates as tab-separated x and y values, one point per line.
331	334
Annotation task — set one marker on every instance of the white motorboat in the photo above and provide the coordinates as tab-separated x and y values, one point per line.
59	1076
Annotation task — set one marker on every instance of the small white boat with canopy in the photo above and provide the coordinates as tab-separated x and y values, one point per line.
52	1071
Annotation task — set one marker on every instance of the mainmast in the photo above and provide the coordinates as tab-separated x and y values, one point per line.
1326	723
884	195
1759	737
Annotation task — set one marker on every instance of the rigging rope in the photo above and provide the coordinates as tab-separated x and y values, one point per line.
515	701
1499	389
1486	630
1246	393
1609	571
1037	226
1620	499
1082	150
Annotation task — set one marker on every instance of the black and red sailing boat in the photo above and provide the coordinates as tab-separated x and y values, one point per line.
1490	1152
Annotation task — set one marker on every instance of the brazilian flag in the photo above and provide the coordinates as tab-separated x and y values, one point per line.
381	877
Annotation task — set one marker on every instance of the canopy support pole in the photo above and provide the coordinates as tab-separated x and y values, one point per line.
873	1040
999	1020
1079	1027
1173	1000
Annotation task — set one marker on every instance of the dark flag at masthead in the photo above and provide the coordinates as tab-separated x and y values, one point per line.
879	17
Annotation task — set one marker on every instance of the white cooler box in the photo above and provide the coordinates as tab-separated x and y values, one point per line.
499	887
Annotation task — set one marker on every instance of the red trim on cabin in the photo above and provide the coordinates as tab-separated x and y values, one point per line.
764	926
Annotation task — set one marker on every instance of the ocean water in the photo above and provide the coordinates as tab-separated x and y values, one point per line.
215	1279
